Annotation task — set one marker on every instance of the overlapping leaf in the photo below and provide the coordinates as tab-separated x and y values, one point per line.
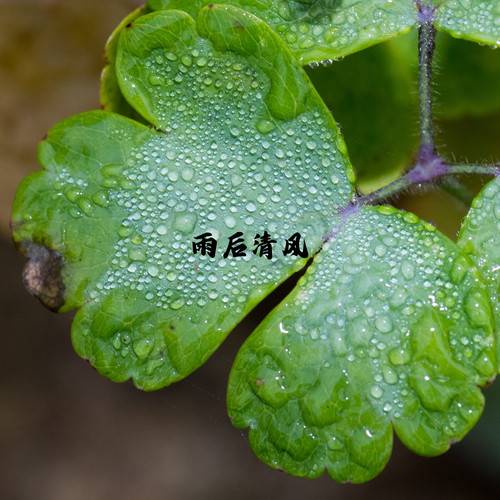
111	95
391	324
243	144
324	29
314	31
475	20
480	238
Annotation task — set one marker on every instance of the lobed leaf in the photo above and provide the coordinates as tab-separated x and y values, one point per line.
475	20
109	226
318	30
479	237
391	324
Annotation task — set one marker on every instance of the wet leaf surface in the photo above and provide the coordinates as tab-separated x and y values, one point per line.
390	325
124	203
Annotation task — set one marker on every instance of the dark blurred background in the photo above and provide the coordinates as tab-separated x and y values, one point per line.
66	432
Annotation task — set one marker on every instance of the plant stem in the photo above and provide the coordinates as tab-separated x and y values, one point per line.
473	169
426	45
384	192
429	166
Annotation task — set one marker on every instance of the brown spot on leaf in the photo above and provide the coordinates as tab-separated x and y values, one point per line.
42	275
259	382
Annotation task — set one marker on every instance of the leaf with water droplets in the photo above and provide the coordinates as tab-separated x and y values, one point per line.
390	328
475	20
321	30
480	238
239	144
111	96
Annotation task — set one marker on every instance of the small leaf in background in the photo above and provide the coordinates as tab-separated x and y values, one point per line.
373	97
390	325
475	20
321	30
245	148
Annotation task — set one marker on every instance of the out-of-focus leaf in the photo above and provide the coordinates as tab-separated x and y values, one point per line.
372	96
467	78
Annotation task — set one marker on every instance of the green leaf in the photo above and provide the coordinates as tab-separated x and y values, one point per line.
390	325
480	238
373	98
109	225
111	95
319	30
475	20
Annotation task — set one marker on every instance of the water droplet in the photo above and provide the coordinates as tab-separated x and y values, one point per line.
100	198
383	324
162	230
86	206
230	221
265	126
154	79
136	254
380	250
407	270
187	173
399	356
176	304
153	271
389	375
477	308
185	222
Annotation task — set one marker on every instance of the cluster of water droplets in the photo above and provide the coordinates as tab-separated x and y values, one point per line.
479	236
392	316
224	165
306	27
472	18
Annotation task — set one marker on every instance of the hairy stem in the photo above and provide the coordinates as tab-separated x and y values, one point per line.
429	166
473	169
385	192
426	45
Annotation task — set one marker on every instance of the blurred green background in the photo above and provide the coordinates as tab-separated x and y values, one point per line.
67	433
